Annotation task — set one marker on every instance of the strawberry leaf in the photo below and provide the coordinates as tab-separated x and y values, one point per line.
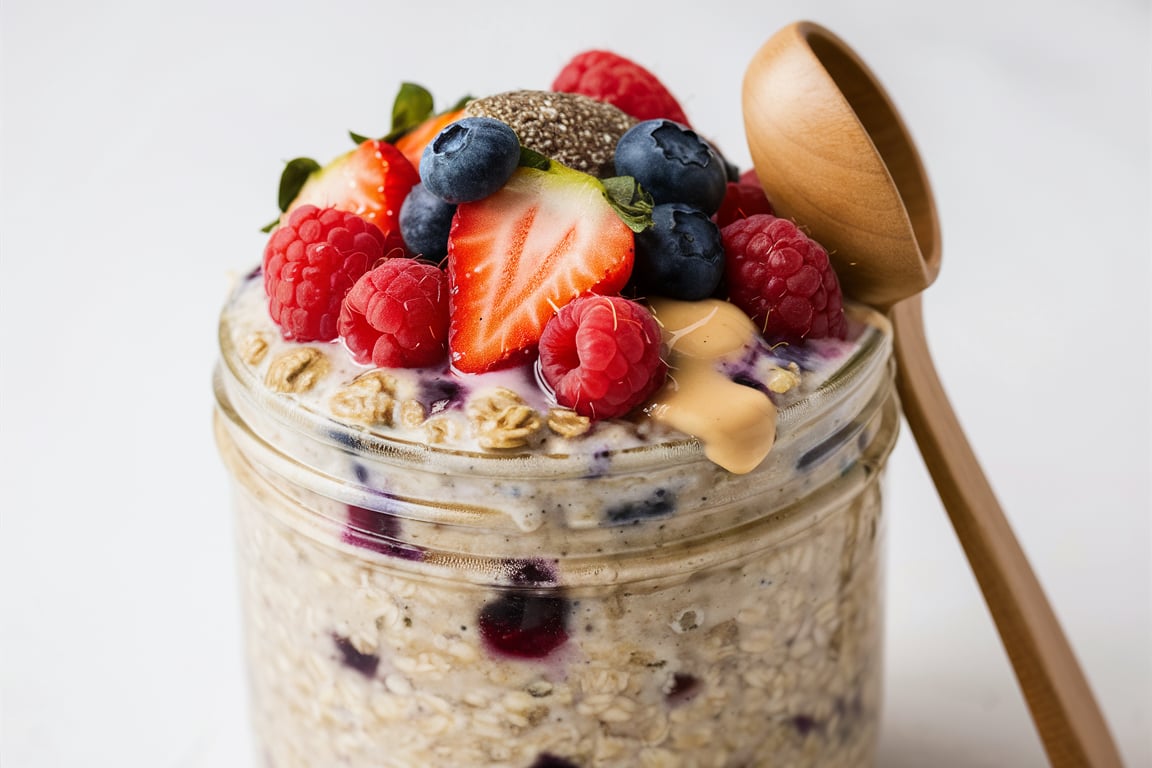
530	158
296	172
413	105
359	139
631	202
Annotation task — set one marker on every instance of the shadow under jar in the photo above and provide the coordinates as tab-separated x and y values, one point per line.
410	605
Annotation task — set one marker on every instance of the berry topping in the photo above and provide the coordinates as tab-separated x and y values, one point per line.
673	164
524	624
741	200
680	256
412	143
371	180
601	356
425	221
310	263
573	129
397	315
782	279
364	663
517	256
470	159
608	77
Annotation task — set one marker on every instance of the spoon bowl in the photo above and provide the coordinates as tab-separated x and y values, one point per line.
833	154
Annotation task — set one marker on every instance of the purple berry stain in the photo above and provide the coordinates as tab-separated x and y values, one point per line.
684	687
548	760
364	663
659	503
441	394
804	724
530	620
378	532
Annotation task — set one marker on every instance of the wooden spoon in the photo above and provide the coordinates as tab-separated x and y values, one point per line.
833	154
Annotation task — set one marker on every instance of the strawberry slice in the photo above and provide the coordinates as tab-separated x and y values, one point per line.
370	181
516	257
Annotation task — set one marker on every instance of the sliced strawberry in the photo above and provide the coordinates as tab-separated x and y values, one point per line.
516	257
412	143
370	181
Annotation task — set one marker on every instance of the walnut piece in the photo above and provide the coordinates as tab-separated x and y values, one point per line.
297	370
368	398
412	414
780	380
567	423
441	429
501	419
254	348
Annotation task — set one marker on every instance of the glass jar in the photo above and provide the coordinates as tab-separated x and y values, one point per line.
408	605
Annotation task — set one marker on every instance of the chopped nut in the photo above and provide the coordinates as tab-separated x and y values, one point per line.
297	370
501	419
412	413
780	380
369	398
254	348
567	423
440	429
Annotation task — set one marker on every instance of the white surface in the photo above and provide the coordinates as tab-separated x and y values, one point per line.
142	143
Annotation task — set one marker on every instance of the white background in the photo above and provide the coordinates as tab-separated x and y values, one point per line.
142	143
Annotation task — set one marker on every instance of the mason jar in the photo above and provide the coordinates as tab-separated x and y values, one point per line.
412	604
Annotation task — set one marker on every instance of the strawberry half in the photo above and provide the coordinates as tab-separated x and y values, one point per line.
516	257
370	181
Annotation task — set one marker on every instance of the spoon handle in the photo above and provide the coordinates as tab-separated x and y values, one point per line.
1066	715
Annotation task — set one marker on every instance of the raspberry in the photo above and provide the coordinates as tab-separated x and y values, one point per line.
741	200
613	79
396	316
601	356
782	279
310	263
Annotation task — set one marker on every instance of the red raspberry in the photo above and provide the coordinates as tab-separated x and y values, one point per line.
742	200
601	356
310	263
396	316
629	87
782	279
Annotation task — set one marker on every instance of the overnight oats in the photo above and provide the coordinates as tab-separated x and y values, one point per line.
553	447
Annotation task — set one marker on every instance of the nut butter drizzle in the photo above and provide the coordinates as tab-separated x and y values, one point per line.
736	424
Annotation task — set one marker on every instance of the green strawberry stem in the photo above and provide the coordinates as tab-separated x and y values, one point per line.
628	199
631	202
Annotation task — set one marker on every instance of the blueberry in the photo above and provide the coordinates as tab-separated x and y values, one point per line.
525	624
364	663
378	532
661	502
680	256
470	159
424	223
673	164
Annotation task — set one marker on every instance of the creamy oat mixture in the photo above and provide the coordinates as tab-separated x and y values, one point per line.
424	616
